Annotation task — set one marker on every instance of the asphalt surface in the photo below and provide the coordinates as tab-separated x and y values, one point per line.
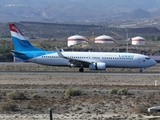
78	73
66	71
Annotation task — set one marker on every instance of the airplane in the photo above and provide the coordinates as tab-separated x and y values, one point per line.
24	50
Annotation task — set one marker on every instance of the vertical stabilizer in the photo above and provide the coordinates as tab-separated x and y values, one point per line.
20	41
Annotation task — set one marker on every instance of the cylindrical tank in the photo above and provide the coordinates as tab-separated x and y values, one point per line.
138	41
104	39
76	39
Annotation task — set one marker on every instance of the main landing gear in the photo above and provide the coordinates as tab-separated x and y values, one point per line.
140	70
81	69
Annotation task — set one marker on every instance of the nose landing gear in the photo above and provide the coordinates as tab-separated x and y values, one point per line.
141	70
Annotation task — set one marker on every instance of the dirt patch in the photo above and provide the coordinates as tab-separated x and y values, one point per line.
94	102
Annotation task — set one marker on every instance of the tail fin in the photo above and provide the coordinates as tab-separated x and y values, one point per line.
20	41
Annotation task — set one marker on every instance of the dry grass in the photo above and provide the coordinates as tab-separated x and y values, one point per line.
9	106
16	95
73	92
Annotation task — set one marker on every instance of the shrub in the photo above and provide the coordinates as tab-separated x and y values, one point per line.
73	92
113	91
35	96
16	95
8	106
123	91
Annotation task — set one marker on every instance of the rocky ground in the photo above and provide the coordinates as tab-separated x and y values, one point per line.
42	90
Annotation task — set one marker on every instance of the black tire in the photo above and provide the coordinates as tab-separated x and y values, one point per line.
81	69
140	70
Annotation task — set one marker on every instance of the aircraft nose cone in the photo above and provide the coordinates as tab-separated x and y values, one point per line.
154	62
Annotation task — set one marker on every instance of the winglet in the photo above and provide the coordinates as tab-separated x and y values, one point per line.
59	53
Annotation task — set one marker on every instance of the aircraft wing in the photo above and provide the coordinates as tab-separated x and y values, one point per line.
72	60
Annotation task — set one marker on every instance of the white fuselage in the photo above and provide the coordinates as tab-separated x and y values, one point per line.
122	60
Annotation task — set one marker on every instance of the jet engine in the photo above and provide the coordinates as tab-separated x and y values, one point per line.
97	66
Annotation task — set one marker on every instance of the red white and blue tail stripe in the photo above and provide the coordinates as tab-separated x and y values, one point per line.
20	41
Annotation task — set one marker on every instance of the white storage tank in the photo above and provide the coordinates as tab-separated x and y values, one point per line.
76	39
138	41
104	39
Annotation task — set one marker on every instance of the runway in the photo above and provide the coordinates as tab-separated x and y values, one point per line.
70	73
32	68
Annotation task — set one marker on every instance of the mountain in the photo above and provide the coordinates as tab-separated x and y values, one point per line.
138	13
72	10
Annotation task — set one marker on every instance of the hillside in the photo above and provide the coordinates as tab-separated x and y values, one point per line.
63	30
137	14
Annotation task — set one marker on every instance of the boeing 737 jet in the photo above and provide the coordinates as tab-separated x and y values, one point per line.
24	50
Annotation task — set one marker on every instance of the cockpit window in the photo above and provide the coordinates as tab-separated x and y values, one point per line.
147	58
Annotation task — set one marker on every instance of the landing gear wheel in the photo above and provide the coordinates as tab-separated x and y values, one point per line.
81	69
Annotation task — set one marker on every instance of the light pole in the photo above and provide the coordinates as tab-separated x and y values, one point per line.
50	113
127	40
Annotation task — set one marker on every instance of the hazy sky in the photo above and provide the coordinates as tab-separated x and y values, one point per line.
117	3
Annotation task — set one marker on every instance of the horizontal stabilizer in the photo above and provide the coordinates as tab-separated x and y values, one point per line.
17	52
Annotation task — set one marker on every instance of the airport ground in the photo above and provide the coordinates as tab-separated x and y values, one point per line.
95	102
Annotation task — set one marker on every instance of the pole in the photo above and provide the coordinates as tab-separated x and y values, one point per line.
127	41
50	113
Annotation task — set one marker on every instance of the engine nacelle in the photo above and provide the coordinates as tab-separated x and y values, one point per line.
97	66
